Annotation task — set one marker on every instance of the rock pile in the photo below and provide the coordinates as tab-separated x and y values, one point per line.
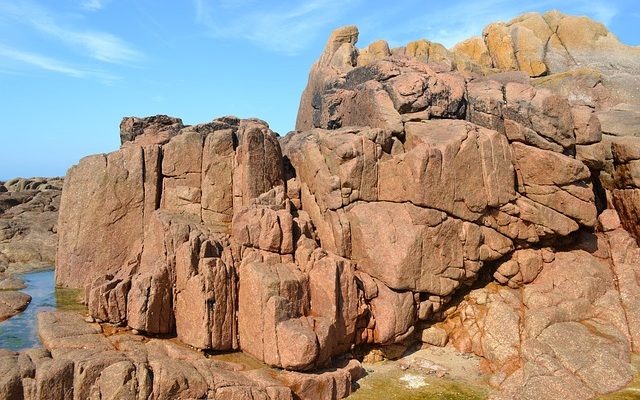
413	173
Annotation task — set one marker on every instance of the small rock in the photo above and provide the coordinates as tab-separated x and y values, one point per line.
609	220
373	356
435	336
12	303
89	319
12	283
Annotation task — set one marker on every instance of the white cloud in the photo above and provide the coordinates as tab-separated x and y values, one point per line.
286	28
52	65
101	46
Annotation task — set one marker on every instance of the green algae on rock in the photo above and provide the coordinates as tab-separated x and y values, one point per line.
69	299
402	385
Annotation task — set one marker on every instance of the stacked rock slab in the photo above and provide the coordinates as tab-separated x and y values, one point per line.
218	255
164	206
403	184
79	362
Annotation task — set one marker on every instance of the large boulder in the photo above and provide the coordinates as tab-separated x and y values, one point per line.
537	117
273	300
12	302
420	249
557	181
158	129
101	221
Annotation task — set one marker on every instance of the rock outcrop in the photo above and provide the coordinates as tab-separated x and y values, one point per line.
28	217
415	177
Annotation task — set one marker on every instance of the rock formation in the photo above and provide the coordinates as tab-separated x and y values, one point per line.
569	332
28	215
427	194
420	200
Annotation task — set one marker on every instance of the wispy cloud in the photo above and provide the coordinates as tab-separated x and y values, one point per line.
286	28
600	11
101	46
93	5
53	65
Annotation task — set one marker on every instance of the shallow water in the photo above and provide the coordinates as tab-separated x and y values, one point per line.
21	332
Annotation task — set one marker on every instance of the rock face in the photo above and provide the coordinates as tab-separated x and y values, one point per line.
413	173
28	223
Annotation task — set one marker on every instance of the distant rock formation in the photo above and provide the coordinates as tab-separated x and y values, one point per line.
28	216
427	195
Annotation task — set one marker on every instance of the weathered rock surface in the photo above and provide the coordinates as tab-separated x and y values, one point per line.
623	166
28	223
155	129
568	333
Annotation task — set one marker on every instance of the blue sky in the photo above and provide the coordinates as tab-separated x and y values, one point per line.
71	69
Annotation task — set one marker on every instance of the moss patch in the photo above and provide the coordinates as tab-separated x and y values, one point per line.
69	300
405	385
